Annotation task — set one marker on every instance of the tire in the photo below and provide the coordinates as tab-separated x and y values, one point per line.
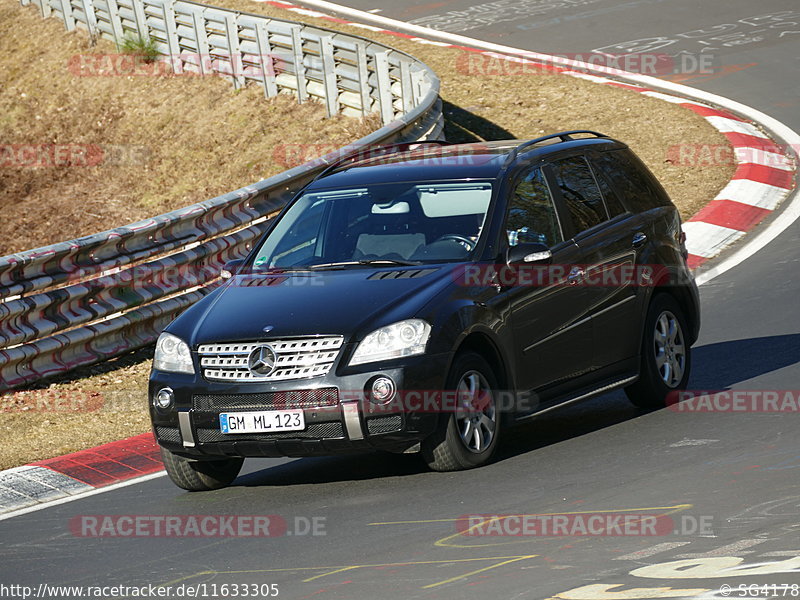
666	357
447	449
200	475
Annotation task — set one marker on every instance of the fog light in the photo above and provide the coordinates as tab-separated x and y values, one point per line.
164	399
382	390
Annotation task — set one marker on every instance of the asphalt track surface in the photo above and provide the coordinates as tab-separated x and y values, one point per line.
390	526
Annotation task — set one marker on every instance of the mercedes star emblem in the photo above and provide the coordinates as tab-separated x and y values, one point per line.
262	360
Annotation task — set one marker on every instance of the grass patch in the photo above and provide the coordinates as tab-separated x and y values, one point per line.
145	48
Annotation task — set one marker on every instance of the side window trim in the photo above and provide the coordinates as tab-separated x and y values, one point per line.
599	187
562	212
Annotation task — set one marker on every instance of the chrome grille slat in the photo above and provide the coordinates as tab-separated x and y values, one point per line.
295	359
216	361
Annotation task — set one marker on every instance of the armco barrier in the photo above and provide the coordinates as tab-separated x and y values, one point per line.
95	297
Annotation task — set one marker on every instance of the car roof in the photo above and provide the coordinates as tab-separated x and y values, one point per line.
440	161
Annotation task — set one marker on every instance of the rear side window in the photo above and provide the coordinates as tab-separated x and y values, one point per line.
635	185
581	194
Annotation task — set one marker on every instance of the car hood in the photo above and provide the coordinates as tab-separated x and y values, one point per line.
350	302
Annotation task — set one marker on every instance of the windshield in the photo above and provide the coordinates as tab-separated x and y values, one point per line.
408	223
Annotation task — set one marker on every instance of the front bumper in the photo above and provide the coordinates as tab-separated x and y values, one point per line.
338	416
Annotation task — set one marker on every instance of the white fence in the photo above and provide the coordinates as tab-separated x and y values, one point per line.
350	75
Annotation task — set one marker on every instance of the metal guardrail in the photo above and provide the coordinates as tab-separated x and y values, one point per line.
85	300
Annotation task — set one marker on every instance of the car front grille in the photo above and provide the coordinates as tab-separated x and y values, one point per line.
294	359
384	424
268	400
168	434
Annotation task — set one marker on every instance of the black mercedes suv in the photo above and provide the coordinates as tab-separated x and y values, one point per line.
421	297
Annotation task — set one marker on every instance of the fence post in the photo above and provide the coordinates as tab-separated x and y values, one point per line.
329	75
91	17
267	63
141	19
416	81
175	60
235	55
384	87
406	88
299	65
201	38
363	79
24	2
66	10
116	22
44	6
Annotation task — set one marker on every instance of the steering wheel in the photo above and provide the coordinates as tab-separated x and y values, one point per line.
461	239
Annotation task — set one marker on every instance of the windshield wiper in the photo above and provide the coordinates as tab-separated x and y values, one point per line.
275	270
372	261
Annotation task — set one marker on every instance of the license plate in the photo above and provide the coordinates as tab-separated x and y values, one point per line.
263	421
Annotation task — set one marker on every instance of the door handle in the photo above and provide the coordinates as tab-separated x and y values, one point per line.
639	239
575	275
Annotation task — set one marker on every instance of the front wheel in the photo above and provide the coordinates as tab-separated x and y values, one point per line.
467	434
666	355
200	475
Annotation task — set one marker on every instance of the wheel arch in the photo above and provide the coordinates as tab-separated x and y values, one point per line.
686	297
482	344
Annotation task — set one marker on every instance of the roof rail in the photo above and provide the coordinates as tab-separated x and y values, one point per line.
565	136
367	151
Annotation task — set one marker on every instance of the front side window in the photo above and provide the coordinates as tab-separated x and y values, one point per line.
403	222
580	192
531	213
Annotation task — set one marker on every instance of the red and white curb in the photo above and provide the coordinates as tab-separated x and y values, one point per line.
765	173
79	473
764	177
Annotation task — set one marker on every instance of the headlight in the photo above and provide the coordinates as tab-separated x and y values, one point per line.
172	355
404	338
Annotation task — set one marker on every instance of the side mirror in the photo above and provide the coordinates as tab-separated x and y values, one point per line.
528	253
230	268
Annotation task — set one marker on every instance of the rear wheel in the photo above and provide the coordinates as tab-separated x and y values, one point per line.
666	355
467	435
200	475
